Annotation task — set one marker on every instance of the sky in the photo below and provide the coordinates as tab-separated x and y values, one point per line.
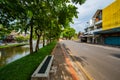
86	12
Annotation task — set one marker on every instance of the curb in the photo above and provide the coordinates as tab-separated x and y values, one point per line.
74	74
54	49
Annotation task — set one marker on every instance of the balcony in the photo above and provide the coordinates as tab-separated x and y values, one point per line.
98	22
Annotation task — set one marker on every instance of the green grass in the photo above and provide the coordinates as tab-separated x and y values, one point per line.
23	68
12	45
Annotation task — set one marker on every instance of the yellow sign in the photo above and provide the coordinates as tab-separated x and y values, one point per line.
111	16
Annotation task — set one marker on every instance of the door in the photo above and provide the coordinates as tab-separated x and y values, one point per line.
114	40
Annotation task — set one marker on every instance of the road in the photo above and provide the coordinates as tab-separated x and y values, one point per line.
101	62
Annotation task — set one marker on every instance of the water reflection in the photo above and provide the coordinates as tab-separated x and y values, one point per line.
10	54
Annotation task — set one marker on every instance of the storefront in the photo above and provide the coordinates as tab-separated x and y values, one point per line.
111	36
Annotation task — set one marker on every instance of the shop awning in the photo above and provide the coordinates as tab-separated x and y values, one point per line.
114	30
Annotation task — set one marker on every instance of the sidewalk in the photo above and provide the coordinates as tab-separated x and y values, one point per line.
65	69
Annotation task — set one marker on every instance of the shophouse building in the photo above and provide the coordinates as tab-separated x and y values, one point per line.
95	25
111	24
105	27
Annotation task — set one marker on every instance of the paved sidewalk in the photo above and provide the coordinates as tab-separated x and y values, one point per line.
65	69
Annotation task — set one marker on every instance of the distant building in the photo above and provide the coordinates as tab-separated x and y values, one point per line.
11	37
95	25
82	37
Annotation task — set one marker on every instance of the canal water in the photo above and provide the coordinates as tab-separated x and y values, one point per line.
8	55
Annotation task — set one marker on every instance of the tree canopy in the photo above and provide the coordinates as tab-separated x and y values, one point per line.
68	33
45	17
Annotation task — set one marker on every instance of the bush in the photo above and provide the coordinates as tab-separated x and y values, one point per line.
22	38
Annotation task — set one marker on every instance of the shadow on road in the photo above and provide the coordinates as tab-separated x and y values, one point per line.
116	55
81	59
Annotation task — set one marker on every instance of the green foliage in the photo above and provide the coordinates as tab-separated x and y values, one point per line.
21	38
3	31
23	68
68	33
78	1
43	15
75	36
69	12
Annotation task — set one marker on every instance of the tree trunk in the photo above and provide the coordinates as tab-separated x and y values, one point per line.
47	41
43	39
37	43
31	35
50	40
50	36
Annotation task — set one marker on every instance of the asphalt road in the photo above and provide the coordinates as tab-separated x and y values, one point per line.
101	62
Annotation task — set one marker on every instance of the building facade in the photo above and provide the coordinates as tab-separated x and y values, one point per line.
111	24
95	25
105	27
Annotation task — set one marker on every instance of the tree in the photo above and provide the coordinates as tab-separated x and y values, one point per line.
78	1
68	33
45	16
3	32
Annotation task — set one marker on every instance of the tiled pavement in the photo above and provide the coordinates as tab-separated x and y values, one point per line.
65	70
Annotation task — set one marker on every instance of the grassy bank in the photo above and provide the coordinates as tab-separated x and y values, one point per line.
12	45
23	68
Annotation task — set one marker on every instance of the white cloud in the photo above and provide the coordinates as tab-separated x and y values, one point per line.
86	11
